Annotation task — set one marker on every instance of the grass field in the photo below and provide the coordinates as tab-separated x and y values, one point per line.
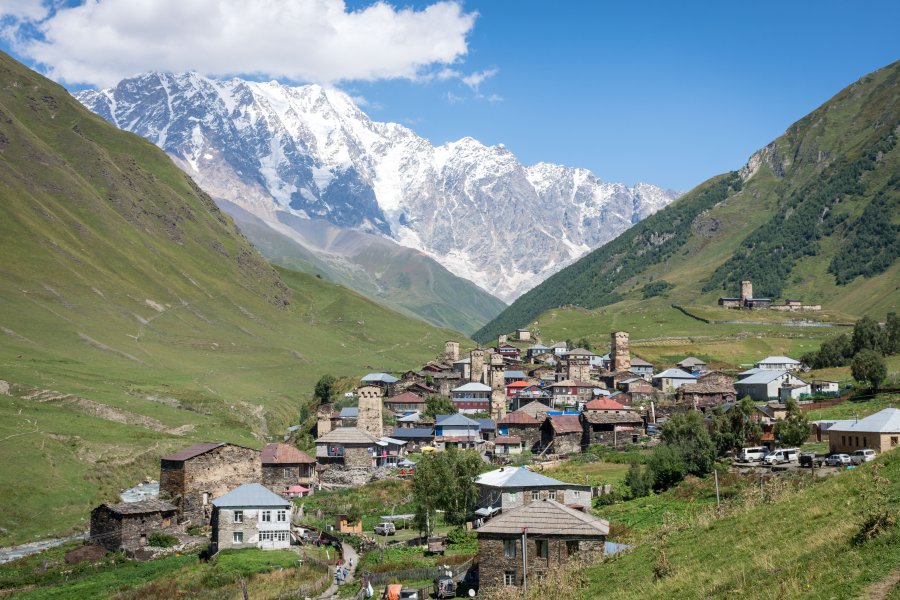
856	408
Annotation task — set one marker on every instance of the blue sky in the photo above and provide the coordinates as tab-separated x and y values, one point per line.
666	93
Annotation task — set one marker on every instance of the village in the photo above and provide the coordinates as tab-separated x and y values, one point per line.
522	408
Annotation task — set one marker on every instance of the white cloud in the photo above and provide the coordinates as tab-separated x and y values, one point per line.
102	41
474	80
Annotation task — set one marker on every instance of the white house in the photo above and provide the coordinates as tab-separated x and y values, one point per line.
765	384
672	379
251	516
779	363
472	397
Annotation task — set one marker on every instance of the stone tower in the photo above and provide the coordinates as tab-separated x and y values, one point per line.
370	408
619	356
323	419
451	350
746	289
578	367
502	339
498	387
476	368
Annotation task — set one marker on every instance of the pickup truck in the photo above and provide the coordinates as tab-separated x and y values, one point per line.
385	528
809	459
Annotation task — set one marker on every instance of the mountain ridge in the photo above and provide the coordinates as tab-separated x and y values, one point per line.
311	151
798	219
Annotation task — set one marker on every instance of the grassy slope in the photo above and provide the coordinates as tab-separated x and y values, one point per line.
403	279
125	289
839	130
799	547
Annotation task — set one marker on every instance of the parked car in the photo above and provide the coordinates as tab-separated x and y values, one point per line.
385	528
809	459
753	453
784	455
838	460
861	456
444	587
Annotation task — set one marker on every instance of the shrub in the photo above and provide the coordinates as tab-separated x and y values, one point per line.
161	540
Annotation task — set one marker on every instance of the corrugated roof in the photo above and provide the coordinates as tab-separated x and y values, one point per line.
884	421
347	435
520	477
192	451
455	419
510	374
411	418
547	517
472	386
519	384
405	398
691	361
284	454
380	378
761	377
639	362
508	439
581	352
674	374
778	360
250	495
413	432
141	507
486	424
566	424
519	418
349	412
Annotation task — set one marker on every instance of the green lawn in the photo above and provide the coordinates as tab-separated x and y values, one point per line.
856	408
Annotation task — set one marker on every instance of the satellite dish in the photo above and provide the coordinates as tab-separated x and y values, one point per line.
471	593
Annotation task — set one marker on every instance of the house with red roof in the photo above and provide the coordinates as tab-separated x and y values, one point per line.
284	466
563	433
606	421
406	402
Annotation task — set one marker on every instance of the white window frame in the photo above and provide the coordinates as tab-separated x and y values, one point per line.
281	516
552	494
535	495
509	577
237	537
265	516
238	516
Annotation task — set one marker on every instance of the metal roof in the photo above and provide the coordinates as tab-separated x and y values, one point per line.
486	424
884	421
566	423
414	417
192	451
140	507
250	495
385	440
284	454
519	477
405	398
472	386
690	361
350	412
519	417
547	517
514	374
413	433
380	378
347	435
778	360
763	376
674	374
457	419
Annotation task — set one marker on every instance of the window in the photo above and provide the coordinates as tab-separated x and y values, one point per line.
509	548
535	495
509	577
843	440
266	516
552	494
865	441
894	440
238	516
288	473
576	494
282	516
571	547
542	548
514	496
237	537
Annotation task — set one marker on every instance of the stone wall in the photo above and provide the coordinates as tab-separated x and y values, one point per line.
279	477
193	484
451	351
530	434
357	457
370	410
493	562
476	366
619	354
115	531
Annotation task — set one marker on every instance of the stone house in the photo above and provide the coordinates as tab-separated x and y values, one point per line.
573	392
346	447
880	432
127	525
458	431
565	432
641	368
536	409
692	364
522	425
251	516
507	445
710	389
404	403
521	545
672	379
507	488
606	421
192	477
284	466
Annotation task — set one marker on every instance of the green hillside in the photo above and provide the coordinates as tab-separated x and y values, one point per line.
398	277
136	319
815	215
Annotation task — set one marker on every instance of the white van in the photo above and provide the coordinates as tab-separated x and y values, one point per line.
784	455
753	454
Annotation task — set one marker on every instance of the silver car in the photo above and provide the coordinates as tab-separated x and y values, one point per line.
838	460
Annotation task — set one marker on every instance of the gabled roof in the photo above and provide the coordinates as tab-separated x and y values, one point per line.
639	362
763	376
486	424
778	360
347	435
379	378
603	404
412	433
192	451
547	517
507	440
519	418
457	420
405	398
884	421
690	361
519	384
535	409
509	374
472	386
349	412
581	352
674	374
560	345
519	477
565	424
411	418
284	454
250	495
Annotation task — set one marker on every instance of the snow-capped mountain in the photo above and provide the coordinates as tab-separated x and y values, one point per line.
312	152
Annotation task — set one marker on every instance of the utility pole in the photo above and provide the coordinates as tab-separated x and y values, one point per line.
524	559
716	475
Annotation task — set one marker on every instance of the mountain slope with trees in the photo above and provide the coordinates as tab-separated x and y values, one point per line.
815	215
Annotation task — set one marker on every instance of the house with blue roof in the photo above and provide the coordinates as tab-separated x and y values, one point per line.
251	516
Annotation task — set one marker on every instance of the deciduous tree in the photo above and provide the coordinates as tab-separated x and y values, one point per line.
868	367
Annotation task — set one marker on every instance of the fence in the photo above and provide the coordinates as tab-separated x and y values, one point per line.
416	574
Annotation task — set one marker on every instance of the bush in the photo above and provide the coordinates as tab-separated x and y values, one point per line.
161	540
195	530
